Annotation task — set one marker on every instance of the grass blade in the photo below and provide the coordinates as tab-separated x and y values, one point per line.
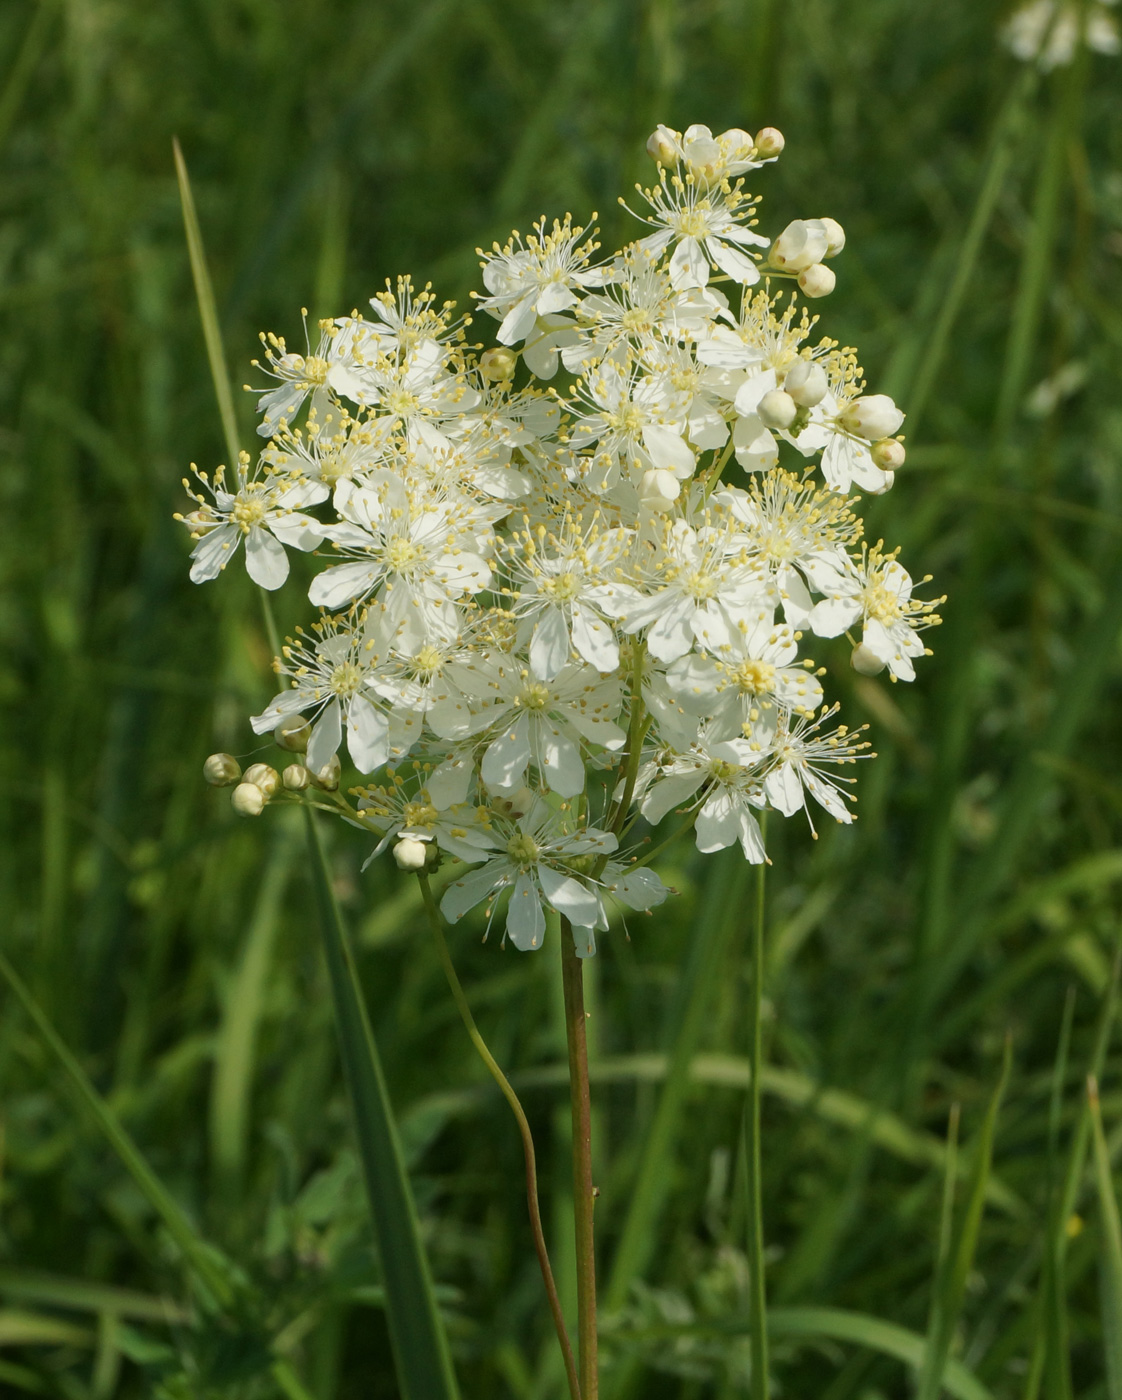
1111	1254
754	1155
208	312
951	1286
424	1365
209	1266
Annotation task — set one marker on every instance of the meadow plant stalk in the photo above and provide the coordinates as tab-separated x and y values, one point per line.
548	615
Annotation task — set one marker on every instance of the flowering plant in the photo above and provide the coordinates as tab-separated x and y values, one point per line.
548	617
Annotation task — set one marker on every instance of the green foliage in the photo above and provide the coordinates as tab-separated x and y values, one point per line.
174	951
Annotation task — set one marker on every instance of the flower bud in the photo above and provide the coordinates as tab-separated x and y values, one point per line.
293	733
769	142
662	147
658	489
498	365
296	778
777	409
410	855
737	142
864	662
888	454
873	416
248	800
817	281
222	769
835	237
263	777
806	383
327	778
801	244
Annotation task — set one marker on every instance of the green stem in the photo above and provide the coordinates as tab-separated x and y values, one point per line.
756	1284
437	926
584	1193
420	1346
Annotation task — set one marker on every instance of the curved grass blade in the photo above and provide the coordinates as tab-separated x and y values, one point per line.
423	1361
1111	1258
211	1268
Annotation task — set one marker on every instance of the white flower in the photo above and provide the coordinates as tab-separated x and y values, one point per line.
531	863
629	425
264	511
877	592
536	278
798	753
704	225
1047	33
729	771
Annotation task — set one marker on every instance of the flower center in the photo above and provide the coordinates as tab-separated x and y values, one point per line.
523	850
754	677
721	770
315	370
637	320
402	403
564	587
881	603
628	421
419	814
701	585
346	679
427	662
401	553
247	512
693	223
533	696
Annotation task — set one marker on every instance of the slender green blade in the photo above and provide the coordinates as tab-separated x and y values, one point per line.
1111	1249
38	1286
424	1365
210	1267
208	312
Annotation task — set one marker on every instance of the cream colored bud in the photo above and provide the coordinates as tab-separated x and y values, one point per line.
264	777
801	244
835	237
329	775
296	778
769	142
777	409
872	417
864	662
661	147
410	855
222	769
658	489
817	281
498	365
737	142
248	800
806	383
293	733
888	454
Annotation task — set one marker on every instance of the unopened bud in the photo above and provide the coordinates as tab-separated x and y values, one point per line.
296	777
817	281
777	409
293	733
661	146
864	662
248	800
888	454
872	417
329	775
801	244
498	365
806	383
835	237
263	777
222	769
737	142
410	855
658	489
769	142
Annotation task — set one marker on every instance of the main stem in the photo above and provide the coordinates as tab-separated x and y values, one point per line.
584	1193
757	1294
436	924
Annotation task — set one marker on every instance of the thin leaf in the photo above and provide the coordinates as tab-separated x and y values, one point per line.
424	1365
208	312
1111	1249
210	1267
38	1286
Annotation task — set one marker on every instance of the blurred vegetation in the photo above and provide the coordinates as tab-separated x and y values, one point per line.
175	949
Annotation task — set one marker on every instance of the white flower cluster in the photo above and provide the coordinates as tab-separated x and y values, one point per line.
546	613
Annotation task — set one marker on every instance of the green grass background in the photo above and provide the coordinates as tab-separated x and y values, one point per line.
175	948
